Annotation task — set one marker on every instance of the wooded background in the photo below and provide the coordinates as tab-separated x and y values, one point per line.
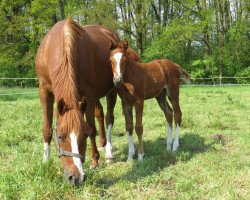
209	38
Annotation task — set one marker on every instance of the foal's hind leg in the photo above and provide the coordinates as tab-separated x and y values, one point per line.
47	100
168	112
111	101
100	118
127	110
177	117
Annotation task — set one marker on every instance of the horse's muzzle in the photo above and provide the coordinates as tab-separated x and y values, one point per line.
73	179
117	81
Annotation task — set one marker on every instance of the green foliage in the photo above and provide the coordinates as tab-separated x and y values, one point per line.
208	38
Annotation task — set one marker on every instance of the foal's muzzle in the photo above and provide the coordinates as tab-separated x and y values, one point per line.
117	81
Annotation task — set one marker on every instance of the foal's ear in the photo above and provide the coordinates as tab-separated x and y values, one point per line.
125	44
61	106
83	105
112	45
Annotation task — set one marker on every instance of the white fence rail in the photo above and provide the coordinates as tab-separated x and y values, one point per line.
195	82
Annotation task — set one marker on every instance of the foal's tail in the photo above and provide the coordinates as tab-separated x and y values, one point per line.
184	74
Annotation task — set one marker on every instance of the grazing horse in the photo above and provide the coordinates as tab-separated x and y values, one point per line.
137	82
72	62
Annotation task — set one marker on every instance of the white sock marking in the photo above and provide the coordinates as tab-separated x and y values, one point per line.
140	156
108	146
131	147
169	138
77	161
46	152
176	140
118	57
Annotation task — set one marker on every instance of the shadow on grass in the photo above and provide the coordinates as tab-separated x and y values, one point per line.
157	158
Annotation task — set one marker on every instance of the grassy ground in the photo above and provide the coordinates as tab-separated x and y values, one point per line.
213	161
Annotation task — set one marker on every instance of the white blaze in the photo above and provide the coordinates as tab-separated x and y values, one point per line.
118	57
77	161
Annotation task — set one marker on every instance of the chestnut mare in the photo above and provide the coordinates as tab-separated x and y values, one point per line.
137	82
72	62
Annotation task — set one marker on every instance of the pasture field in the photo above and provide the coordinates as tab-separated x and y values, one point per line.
213	161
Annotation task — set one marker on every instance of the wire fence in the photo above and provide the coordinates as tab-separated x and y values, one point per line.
19	86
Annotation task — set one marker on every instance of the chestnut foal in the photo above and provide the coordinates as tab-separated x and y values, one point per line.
137	82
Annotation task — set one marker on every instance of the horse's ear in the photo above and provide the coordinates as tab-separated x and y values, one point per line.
112	45
125	44
83	105
61	106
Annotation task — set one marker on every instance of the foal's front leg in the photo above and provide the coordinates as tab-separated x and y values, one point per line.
139	127
127	109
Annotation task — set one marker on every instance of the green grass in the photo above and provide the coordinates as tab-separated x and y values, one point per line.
213	161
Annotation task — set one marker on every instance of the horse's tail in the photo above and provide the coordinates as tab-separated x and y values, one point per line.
66	74
184	74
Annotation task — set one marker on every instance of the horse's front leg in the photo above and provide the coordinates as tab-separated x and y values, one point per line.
90	118
47	101
127	109
139	127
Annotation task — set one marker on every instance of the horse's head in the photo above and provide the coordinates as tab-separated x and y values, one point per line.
118	57
70	140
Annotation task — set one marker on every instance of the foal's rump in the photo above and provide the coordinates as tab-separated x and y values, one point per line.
173	72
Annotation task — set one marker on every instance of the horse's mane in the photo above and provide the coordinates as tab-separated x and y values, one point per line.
64	78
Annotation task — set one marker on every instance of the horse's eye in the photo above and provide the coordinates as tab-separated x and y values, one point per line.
60	137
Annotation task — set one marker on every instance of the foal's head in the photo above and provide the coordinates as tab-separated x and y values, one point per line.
118	57
70	140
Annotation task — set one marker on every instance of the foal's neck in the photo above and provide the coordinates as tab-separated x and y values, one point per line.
133	68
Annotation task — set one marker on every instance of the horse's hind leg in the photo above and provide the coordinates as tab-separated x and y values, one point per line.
100	118
111	101
177	116
47	100
127	110
168	112
139	127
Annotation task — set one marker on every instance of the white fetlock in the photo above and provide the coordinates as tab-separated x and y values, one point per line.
46	152
140	156
108	149
175	146
169	146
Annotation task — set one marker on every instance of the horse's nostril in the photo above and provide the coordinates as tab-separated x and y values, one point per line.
72	180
